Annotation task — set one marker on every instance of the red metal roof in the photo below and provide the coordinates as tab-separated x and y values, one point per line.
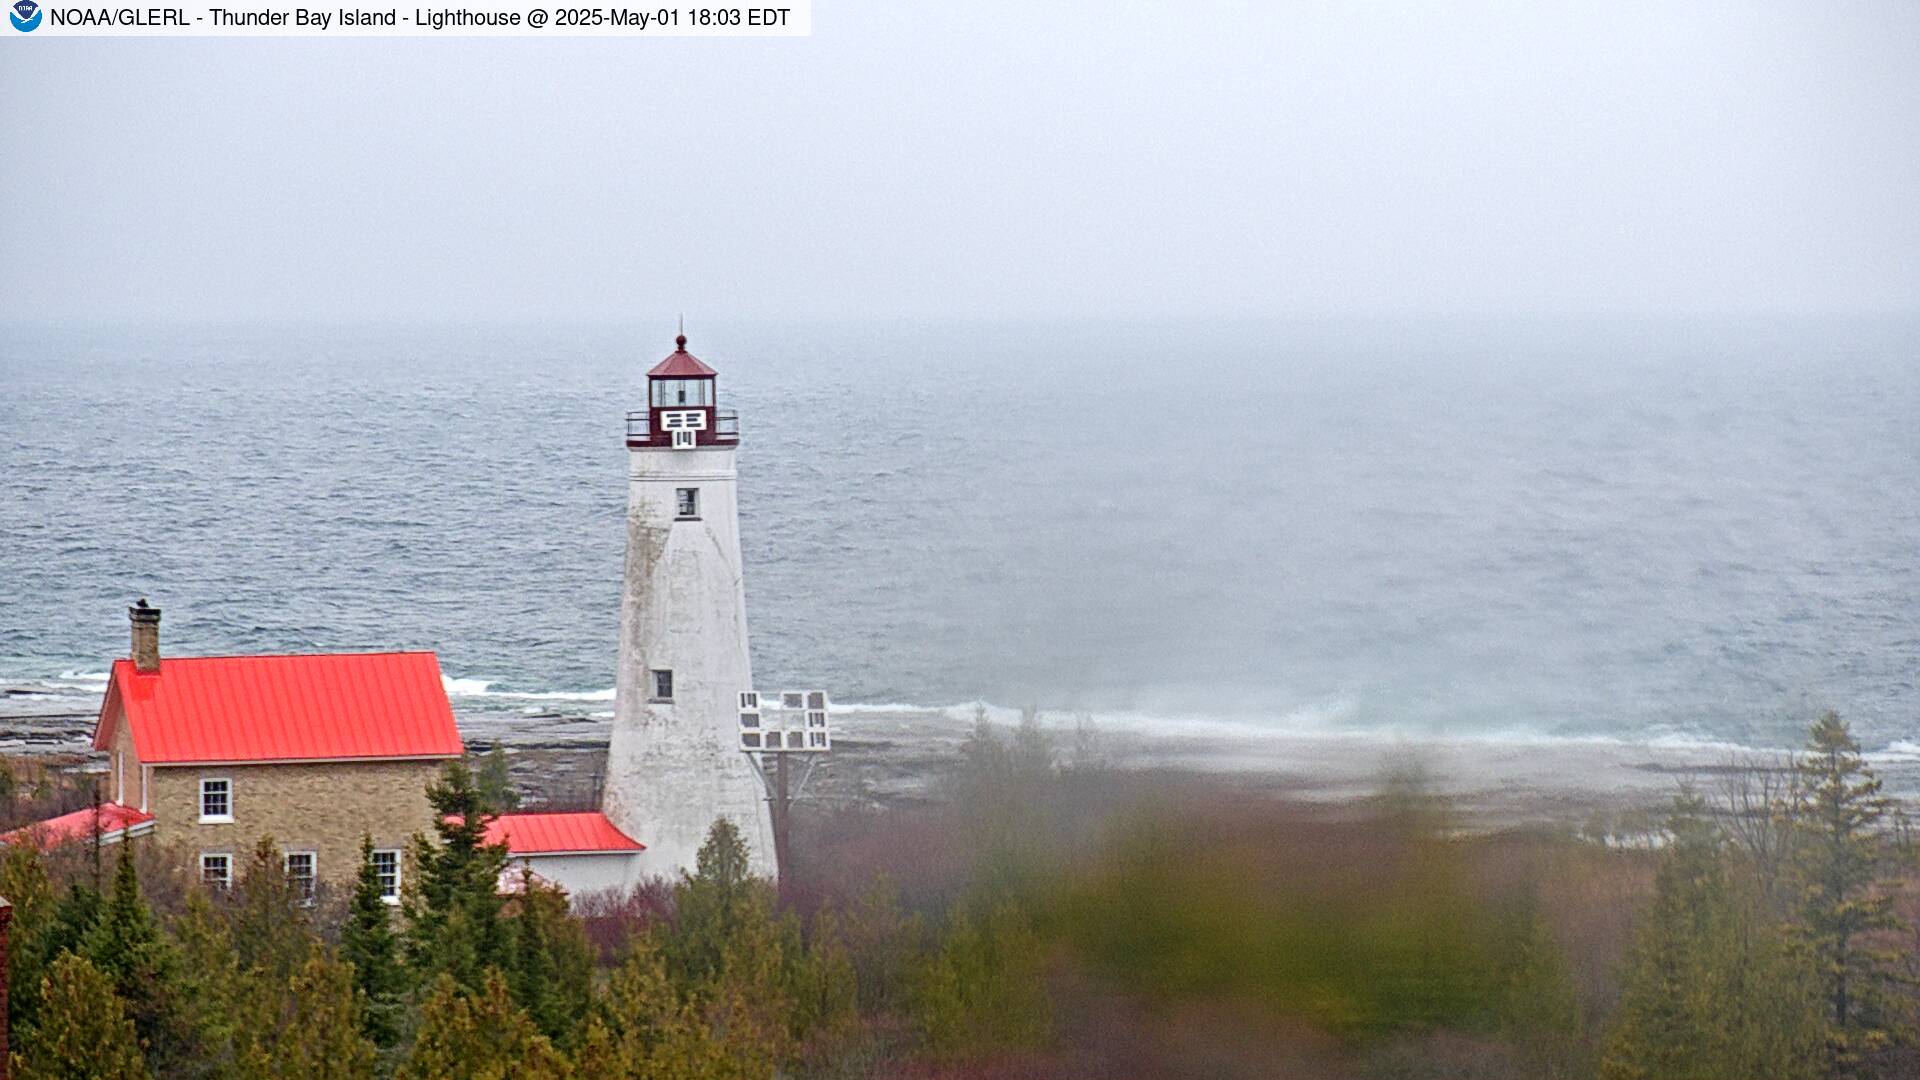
282	708
554	834
681	364
112	824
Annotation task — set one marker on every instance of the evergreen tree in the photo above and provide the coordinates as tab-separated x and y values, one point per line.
125	945
648	1030
318	1036
982	991
271	929
368	942
1032	756
219	1009
820	984
454	918
1839	863
599	1054
552	973
1714	989
1087	756
741	973
749	1002
83	1032
25	884
882	943
481	1036
74	916
1540	1012
496	782
986	765
710	905
1002	790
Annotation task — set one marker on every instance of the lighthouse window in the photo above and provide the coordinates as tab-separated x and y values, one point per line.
674	392
687	502
662	684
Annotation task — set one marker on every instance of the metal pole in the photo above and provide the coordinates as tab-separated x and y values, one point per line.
782	819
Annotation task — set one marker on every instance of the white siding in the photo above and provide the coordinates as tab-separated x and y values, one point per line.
672	768
581	873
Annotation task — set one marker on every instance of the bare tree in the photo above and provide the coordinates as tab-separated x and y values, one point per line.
1755	792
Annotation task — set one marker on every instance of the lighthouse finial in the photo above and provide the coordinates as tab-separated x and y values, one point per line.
680	339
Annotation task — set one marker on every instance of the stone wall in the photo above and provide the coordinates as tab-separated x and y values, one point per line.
323	807
125	780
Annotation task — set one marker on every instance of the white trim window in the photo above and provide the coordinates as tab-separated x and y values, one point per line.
662	688
686	504
301	867
216	800
386	863
216	869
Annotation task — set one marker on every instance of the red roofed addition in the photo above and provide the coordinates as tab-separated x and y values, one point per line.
559	834
111	820
282	708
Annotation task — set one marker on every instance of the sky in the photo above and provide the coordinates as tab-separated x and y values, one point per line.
985	161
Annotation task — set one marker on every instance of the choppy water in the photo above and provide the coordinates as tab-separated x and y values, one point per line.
1642	531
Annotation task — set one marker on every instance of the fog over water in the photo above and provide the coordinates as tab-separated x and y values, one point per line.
986	160
1700	531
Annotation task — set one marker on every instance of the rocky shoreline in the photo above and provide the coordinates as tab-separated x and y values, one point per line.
889	757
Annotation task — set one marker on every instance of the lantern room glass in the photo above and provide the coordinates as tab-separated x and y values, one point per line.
682	393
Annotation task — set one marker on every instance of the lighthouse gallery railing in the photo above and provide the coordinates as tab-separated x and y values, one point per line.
726	426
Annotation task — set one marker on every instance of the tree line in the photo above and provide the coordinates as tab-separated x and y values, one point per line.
465	979
1047	915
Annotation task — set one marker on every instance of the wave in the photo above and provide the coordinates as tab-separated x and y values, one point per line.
1336	719
487	688
1897	752
92	682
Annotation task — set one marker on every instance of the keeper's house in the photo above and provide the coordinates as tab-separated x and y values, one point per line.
315	751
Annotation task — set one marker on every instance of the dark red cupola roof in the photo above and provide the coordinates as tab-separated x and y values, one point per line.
681	365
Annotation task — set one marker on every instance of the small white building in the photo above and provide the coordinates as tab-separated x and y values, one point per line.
579	852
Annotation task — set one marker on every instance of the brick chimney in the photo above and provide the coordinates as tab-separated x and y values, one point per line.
146	641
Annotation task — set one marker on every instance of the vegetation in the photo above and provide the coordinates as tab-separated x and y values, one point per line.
369	944
83	1030
1053	917
1714	987
1840	865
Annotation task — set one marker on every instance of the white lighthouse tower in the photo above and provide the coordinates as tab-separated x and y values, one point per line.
674	763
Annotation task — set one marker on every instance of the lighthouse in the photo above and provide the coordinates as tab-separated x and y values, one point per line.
674	762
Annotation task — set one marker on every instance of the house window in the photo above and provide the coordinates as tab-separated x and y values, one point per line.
687	502
300	873
662	685
216	800
216	870
386	864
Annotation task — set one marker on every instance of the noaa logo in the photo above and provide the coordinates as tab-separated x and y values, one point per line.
25	15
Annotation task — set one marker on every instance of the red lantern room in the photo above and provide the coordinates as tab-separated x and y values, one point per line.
682	408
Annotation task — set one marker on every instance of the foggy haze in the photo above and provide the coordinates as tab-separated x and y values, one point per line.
985	161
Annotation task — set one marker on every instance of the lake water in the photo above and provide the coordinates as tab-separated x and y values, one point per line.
1541	530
